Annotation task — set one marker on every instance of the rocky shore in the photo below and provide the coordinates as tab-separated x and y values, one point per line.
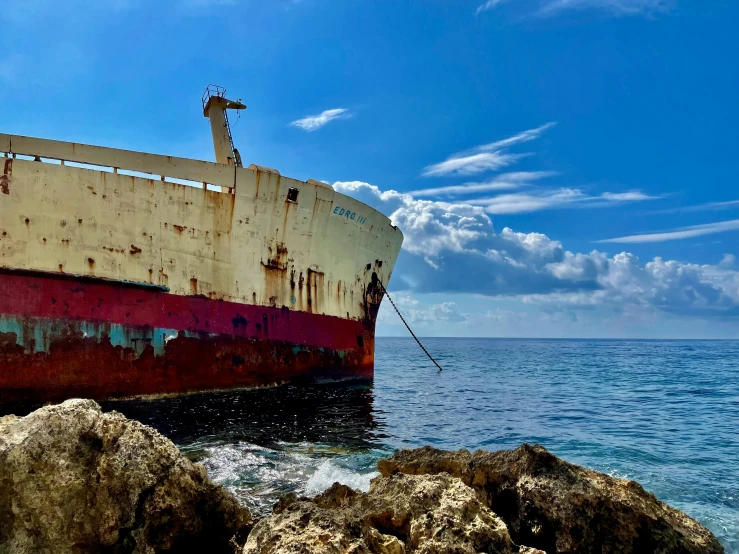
74	479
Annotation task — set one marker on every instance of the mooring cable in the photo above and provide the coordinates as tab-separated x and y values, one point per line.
408	326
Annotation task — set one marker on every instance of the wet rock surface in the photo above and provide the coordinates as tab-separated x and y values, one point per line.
556	506
525	500
430	514
74	479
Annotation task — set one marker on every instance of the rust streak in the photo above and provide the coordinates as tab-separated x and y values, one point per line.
5	177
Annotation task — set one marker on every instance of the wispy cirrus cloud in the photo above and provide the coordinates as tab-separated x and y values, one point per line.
545	8
489	5
505	181
679	233
529	202
549	199
315	122
493	156
615	7
708	206
471	164
630	196
486	157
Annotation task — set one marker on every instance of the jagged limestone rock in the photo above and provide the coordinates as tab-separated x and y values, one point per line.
74	479
400	514
556	506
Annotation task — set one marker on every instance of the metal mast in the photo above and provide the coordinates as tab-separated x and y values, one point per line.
215	105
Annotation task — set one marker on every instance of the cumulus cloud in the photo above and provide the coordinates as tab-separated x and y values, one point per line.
680	233
727	262
485	157
315	122
422	314
453	247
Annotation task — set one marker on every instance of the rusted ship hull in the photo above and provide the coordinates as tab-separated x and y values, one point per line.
116	285
61	337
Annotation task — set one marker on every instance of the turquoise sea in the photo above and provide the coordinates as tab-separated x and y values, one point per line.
665	413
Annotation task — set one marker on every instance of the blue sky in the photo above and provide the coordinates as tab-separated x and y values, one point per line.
558	167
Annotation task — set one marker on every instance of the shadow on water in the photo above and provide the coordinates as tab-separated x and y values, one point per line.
264	443
336	414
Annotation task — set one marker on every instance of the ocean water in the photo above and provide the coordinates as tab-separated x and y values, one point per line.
665	413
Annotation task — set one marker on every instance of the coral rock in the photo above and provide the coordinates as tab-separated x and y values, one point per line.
556	506
400	514
74	479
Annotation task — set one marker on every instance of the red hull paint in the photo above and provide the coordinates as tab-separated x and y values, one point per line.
61	337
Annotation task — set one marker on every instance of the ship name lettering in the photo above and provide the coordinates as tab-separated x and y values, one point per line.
354	216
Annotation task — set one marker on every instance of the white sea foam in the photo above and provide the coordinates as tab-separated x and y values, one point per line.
258	476
329	473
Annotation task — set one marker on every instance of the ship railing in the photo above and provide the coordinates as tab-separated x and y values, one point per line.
210	92
184	171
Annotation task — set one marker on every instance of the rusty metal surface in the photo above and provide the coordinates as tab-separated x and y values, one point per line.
60	338
91	366
5	178
262	289
248	247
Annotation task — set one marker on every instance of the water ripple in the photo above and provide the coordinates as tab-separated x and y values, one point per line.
664	413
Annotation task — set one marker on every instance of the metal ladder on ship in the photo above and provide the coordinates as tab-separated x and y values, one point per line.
236	155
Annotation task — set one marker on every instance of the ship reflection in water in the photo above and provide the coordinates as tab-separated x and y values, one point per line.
264	443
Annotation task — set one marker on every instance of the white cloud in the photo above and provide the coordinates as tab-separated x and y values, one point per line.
680	233
489	5
453	248
493	156
709	206
505	181
422	314
731	204
630	196
727	262
525	203
429	227
525	136
314	122
548	199
613	7
485	157
471	164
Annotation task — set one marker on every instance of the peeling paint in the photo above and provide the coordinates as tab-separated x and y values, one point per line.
152	269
